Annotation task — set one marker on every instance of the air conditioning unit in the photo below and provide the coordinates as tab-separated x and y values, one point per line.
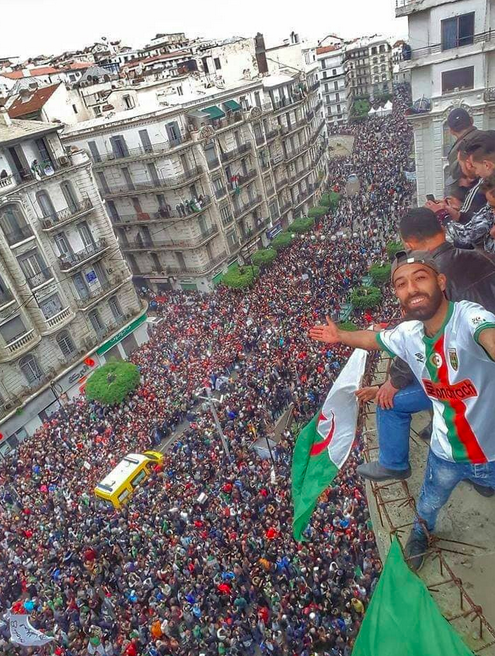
64	160
47	223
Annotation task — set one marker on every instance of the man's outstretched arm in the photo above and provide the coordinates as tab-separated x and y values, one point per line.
331	334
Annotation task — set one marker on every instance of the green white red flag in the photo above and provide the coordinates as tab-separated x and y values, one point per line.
324	444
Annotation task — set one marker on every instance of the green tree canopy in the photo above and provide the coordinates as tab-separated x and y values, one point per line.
330	200
364	298
264	257
302	225
281	241
380	274
394	247
112	382
348	325
240	278
317	212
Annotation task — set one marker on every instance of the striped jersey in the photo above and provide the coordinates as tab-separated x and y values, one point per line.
459	377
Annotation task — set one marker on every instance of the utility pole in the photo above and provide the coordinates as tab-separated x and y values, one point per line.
211	402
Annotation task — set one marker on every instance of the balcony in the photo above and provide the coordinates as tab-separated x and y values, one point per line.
310	115
304	195
288	101
420	53
198	270
188	210
220	193
285	207
272	134
7	183
19	234
260	139
213	164
298	175
107	287
246	177
20	344
314	86
152	186
68	214
296	151
318	105
59	319
489	94
141	152
240	211
170	244
40	278
6	297
297	125
281	183
235	152
70	261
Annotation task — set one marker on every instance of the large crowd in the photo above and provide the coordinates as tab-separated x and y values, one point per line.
170	574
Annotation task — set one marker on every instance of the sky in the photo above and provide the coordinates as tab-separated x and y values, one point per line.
33	27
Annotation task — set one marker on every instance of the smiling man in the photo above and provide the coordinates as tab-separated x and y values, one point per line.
450	347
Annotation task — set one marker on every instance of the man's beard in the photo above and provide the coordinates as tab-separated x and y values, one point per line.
428	309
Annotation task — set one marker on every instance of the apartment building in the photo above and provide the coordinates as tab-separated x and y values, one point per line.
67	301
451	59
191	186
368	68
333	83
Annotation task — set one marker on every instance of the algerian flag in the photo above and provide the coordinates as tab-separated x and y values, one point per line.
324	444
402	617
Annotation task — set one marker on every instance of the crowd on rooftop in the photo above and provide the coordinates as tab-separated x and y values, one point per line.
169	575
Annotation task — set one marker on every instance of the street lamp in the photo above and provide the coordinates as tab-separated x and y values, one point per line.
211	403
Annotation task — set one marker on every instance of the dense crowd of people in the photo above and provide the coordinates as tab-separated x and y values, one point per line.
170	574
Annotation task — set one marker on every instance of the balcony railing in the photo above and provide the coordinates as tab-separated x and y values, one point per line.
305	194
154	185
59	318
296	151
239	211
272	134
22	341
69	261
67	214
281	183
6	297
260	139
285	207
310	115
288	101
297	125
314	86
318	105
226	221
247	177
213	164
219	259
158	244
95	294
163	214
220	193
490	94
236	152
19	234
7	182
141	151
419	53
39	278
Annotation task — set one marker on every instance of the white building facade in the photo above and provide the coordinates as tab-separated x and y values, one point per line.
190	187
452	64
332	84
67	301
368	68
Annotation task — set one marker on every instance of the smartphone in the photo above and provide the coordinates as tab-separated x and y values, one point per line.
431	198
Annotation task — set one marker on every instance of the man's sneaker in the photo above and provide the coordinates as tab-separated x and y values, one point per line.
415	551
483	490
373	471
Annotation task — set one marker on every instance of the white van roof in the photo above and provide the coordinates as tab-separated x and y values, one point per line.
122	471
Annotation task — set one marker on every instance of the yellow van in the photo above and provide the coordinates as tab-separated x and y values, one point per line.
118	487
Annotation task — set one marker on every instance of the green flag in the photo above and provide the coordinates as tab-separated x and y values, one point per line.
402	617
324	444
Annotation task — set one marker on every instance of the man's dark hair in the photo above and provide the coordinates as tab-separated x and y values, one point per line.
489	185
482	146
459	120
420	223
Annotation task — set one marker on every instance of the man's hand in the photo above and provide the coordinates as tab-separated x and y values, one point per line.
385	395
328	332
366	394
436	206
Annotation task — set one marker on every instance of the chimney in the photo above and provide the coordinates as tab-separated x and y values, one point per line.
260	50
4	117
25	94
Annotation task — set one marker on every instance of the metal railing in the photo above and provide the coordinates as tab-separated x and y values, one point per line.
141	151
19	234
104	288
220	193
163	214
246	177
235	152
39	278
68	213
305	194
418	53
281	183
6	297
152	244
239	211
272	134
296	151
288	101
285	207
219	259
213	164
157	183
69	261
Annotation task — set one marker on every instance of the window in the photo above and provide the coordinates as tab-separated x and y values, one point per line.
74	109
217	63
337	97
65	343
461	78
115	308
334	71
119	146
458	31
335	86
51	306
13	224
45	204
12	330
95	153
96	323
138	478
34	269
225	214
31	369
128	102
70	196
173	133
157	265
145	140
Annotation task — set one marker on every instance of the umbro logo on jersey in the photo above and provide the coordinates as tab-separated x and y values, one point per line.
419	357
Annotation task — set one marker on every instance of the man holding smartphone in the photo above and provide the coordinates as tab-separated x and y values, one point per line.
451	349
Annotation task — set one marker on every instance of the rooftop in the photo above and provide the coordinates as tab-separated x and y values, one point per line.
15	129
33	103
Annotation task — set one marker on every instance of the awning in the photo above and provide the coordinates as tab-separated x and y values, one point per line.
213	112
196	114
232	104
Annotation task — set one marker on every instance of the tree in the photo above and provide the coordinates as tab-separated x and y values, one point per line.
380	274
264	257
302	225
240	277
281	241
348	325
112	382
394	247
330	200
317	212
364	298
361	108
